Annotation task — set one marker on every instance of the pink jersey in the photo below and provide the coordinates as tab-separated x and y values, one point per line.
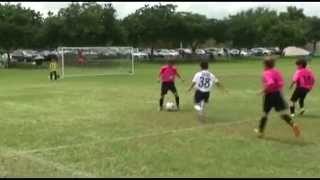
304	78
272	80
168	73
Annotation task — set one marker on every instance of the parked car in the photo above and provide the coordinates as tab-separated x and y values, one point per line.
140	55
211	51
200	52
28	56
244	52
184	51
256	52
234	52
164	53
174	52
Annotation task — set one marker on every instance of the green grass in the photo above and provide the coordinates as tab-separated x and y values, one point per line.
109	126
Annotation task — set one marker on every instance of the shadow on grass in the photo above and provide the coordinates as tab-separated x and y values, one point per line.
309	116
297	142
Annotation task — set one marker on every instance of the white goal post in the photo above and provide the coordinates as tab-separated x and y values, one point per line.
95	61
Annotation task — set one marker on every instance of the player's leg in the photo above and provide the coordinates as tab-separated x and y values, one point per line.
55	75
164	90
301	101
267	106
173	89
281	107
205	100
293	101
197	100
199	105
51	74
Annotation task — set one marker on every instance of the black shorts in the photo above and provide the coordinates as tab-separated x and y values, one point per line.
201	96
275	100
165	86
299	93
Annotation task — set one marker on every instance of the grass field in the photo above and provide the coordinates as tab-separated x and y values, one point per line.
109	126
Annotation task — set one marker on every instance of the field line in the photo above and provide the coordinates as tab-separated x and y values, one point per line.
174	131
48	163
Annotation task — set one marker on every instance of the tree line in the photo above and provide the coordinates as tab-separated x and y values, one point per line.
158	26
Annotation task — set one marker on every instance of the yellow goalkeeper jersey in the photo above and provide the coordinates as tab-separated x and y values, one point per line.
53	66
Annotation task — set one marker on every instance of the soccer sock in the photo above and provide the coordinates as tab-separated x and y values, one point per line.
262	124
202	105
161	103
287	118
177	101
292	109
301	103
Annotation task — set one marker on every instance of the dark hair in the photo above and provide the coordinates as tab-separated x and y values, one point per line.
269	62
171	61
54	57
301	62
204	65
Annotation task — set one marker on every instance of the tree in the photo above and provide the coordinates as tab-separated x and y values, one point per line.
149	25
313	32
191	28
88	24
19	27
289	29
242	29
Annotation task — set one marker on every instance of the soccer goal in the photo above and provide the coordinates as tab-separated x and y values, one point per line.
95	61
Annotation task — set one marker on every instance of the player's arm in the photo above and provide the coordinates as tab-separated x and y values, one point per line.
159	75
294	80
192	85
268	82
292	84
219	84
179	76
221	87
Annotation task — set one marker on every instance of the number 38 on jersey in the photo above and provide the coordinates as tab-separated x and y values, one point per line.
204	80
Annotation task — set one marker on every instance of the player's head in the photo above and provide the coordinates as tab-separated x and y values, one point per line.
171	62
301	62
54	58
204	65
269	62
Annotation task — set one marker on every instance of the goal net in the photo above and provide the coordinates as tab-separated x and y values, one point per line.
94	61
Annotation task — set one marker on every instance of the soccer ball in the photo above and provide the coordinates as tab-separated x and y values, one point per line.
197	107
170	106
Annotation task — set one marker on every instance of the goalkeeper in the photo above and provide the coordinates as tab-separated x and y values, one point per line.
53	66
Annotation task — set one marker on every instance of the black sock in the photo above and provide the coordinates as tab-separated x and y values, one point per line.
292	109
301	103
161	103
287	118
177	101
262	124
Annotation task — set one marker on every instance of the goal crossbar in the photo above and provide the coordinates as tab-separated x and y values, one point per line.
61	51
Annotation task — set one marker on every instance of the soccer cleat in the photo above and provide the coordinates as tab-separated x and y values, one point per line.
160	109
302	112
296	130
260	134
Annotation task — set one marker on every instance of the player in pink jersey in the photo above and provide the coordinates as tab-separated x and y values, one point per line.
273	83
167	76
304	80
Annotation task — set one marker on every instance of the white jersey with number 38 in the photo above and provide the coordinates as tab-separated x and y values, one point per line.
204	80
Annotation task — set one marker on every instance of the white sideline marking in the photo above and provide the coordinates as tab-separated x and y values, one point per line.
134	137
49	163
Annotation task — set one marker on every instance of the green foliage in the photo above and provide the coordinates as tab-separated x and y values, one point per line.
158	26
18	27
